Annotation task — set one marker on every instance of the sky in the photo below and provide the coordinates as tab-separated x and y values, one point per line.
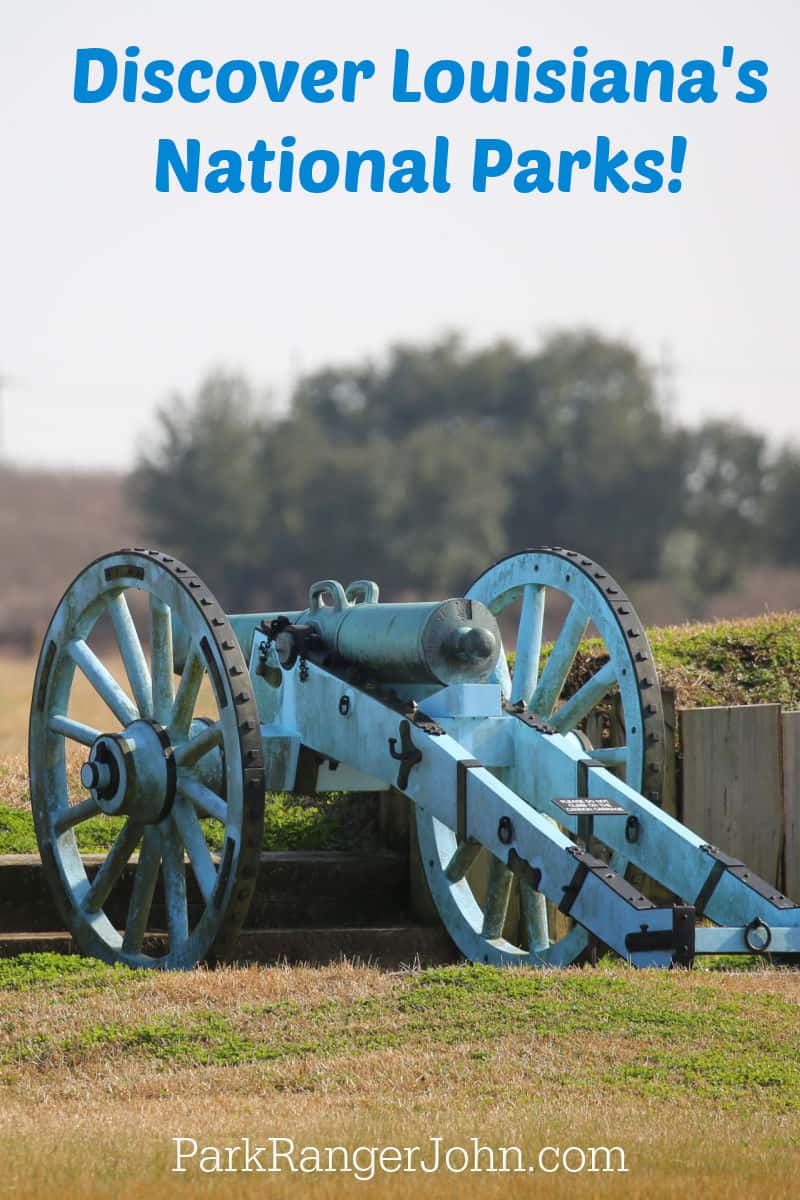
114	297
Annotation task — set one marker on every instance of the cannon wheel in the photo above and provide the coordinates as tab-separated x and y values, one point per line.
475	913
171	768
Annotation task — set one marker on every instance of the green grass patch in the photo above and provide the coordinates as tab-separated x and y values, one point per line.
62	972
326	822
18	836
755	661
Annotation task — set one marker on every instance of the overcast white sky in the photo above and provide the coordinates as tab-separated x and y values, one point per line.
112	295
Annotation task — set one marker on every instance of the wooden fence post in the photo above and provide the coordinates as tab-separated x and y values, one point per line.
732	782
669	792
791	803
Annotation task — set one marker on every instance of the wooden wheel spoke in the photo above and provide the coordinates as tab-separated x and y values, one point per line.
122	848
202	797
102	681
529	643
462	860
163	684
585	699
561	658
193	838
130	647
534	913
190	753
186	696
74	815
501	673
76	731
174	875
498	893
144	886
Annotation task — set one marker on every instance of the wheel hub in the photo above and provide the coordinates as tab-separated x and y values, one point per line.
132	772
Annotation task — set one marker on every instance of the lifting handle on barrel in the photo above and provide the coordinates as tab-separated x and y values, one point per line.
362	591
333	588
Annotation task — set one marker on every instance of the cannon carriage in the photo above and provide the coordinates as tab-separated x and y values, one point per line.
516	809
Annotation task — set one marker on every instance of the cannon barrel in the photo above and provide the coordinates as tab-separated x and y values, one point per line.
454	641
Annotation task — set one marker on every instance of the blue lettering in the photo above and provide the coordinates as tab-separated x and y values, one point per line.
651	179
169	159
195	66
751	77
493	157
400	91
225	89
551	90
84	60
226	173
155	74
315	80
330	163
278	89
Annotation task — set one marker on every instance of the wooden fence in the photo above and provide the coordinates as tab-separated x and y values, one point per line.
740	785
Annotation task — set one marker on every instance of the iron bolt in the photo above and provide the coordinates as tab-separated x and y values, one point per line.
505	831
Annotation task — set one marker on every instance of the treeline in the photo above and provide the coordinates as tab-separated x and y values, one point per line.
423	468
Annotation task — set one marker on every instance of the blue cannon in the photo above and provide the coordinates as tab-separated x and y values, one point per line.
154	710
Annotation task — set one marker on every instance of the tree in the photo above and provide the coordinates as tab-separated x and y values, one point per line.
421	468
199	485
727	474
781	520
600	470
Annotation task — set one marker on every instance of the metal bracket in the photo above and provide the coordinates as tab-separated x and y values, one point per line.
410	710
589	865
756	926
291	641
523	870
528	718
585	820
462	766
586	808
724	862
427	724
408	756
679	939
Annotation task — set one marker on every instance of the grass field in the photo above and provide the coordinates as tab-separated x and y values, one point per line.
695	1075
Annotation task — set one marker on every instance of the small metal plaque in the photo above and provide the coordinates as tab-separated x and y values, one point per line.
590	806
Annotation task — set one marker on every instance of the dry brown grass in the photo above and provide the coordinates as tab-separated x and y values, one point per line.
16	679
51	525
123	1148
102	1125
16	685
16	682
